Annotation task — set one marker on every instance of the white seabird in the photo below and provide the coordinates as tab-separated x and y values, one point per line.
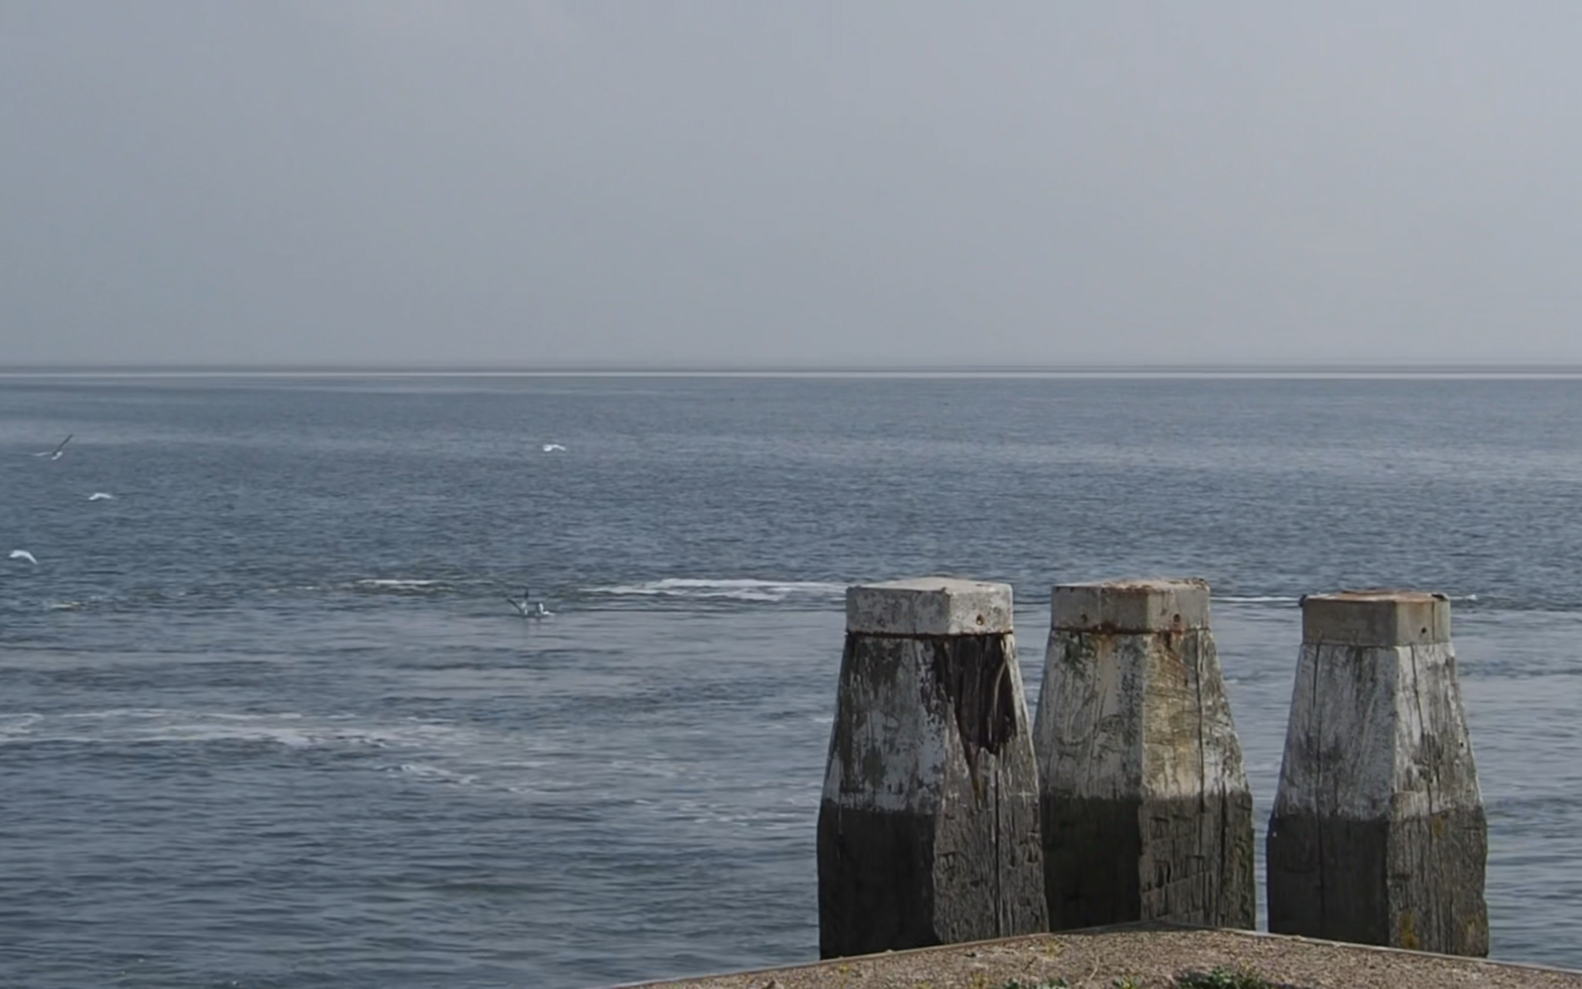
22	554
59	451
552	447
101	496
528	608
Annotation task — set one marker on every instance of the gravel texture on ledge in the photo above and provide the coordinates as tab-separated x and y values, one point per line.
1147	956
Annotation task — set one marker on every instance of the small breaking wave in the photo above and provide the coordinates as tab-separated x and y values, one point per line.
18	725
291	730
433	774
733	589
1290	599
91	602
368	585
400	585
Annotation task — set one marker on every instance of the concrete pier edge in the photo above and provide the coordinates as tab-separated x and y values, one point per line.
1291	945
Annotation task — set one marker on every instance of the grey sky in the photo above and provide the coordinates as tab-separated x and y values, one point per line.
386	181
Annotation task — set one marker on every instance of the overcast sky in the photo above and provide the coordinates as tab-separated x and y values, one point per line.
744	183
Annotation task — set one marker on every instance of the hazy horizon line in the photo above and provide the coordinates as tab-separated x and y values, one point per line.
480	370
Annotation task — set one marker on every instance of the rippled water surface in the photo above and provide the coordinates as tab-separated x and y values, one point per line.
267	719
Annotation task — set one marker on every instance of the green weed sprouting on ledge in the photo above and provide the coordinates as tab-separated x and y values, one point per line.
1045	984
1223	978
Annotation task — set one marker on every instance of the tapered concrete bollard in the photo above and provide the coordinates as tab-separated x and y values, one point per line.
1378	834
1146	813
928	829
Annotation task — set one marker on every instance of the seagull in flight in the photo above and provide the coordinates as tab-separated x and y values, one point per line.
528	608
59	451
22	554
552	447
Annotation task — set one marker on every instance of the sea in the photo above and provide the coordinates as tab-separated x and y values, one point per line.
269	716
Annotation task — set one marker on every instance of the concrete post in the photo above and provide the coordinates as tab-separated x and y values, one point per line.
1378	834
928	828
1145	809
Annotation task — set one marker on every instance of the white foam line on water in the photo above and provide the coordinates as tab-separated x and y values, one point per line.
735	588
370	584
1287	599
433	774
288	729
753	589
16	725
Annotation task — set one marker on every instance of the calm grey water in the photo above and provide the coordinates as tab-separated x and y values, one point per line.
267	720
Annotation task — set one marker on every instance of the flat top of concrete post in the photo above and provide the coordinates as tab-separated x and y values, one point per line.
929	606
1376	617
1132	605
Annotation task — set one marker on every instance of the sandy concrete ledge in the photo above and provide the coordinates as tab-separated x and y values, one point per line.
1148	955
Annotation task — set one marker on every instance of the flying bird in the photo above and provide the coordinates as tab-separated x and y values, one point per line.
59	451
552	447
22	554
101	496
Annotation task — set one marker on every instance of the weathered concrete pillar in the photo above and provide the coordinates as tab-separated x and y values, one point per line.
1378	834
1146	813
928	829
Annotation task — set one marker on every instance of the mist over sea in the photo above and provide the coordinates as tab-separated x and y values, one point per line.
268	720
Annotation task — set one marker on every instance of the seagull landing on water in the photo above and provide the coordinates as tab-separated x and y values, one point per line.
22	554
59	451
552	447
528	608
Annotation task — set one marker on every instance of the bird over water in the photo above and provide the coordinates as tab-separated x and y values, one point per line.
59	450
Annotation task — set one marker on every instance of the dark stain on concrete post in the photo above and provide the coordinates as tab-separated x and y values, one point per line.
928	827
1146	814
1378	834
